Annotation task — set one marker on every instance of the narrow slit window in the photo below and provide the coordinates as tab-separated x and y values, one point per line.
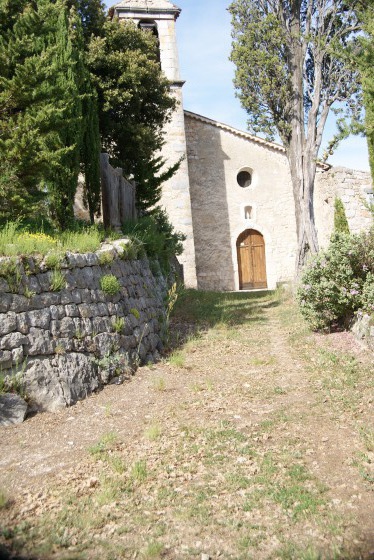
247	212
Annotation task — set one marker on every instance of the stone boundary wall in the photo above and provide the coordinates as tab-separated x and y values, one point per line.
354	188
67	343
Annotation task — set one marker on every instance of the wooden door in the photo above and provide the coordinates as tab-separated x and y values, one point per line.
251	259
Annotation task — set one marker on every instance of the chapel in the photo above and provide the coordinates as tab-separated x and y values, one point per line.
232	195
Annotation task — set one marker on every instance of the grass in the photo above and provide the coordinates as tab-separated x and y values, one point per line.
14	240
4	500
153	432
58	281
231	472
159	383
177	359
139	471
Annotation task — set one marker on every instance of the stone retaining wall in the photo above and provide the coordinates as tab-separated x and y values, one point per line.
66	343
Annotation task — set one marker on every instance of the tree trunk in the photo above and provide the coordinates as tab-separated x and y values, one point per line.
300	151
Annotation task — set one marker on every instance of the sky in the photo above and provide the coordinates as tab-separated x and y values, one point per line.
204	44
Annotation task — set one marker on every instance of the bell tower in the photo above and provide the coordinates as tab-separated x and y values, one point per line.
159	16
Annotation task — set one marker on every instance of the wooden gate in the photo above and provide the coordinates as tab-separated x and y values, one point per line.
251	260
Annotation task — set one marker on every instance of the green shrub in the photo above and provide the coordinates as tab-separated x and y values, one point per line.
110	285
338	282
368	294
133	249
106	258
157	236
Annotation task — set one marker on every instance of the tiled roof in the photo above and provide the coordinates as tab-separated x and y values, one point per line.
246	135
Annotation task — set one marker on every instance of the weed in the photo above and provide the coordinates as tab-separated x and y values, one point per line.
177	359
53	260
106	442
135	312
153	432
118	324
10	270
28	293
58	281
139	471
60	349
105	258
117	464
158	383
110	284
154	549
132	249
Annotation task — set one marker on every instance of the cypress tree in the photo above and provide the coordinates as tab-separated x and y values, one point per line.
340	218
40	107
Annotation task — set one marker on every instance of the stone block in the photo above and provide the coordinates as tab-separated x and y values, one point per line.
40	343
8	322
5	302
19	303
60	381
17	355
12	409
33	284
39	318
71	310
5	359
66	327
23	323
12	340
44	280
50	298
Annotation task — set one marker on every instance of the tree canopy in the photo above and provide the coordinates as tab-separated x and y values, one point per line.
73	83
289	75
134	104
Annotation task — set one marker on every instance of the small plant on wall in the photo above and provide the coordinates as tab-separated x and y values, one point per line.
110	285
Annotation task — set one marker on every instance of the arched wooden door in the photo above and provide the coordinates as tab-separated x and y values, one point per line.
250	247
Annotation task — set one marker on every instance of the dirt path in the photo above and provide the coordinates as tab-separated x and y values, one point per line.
255	440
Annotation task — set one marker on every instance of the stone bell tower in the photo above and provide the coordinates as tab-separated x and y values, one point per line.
159	16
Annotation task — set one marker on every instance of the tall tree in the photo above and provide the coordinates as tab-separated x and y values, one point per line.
289	77
366	64
134	104
40	106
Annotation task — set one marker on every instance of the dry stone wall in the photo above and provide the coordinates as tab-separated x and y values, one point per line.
67	343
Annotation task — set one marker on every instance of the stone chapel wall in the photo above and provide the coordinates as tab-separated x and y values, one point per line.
69	342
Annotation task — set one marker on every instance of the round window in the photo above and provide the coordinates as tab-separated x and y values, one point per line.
244	179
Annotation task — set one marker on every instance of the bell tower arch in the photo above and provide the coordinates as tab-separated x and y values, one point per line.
160	17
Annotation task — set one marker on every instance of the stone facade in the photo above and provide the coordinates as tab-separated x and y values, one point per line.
222	209
69	342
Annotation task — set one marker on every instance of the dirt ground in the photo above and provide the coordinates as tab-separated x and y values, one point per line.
254	439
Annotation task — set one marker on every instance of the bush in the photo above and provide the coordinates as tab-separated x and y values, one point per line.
157	236
339	281
110	285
